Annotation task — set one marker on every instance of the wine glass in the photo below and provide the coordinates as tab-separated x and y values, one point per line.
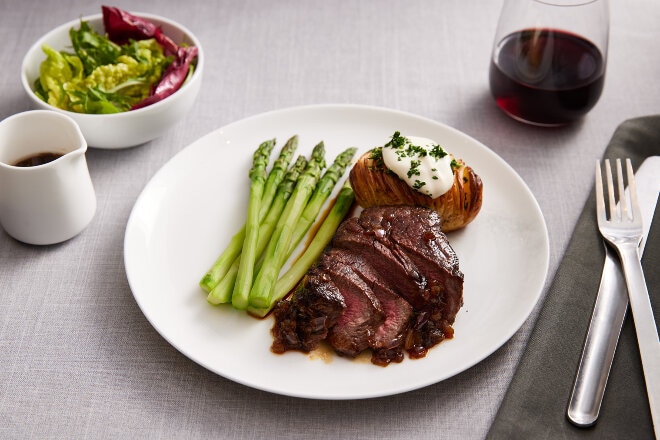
549	59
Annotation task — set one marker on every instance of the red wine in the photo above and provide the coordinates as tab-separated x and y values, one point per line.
546	76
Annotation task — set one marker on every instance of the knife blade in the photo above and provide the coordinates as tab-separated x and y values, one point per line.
609	312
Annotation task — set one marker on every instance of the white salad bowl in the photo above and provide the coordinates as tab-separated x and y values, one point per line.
126	129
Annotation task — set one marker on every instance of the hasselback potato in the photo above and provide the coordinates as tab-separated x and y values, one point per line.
375	185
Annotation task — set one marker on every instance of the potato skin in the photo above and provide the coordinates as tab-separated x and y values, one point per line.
374	185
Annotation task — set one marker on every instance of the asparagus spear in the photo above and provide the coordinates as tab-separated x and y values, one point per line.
233	249
222	292
258	177
278	246
323	190
213	276
277	173
288	281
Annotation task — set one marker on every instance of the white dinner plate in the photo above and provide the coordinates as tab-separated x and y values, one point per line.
193	205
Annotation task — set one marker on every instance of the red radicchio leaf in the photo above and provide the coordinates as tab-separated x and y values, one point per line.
173	77
122	26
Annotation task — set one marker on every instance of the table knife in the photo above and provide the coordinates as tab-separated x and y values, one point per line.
609	312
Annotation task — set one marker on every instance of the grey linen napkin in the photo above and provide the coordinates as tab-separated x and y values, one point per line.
534	406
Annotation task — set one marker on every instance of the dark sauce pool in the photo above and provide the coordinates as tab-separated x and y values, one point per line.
37	159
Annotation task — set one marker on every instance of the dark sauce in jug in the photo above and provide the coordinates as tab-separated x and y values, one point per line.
38	159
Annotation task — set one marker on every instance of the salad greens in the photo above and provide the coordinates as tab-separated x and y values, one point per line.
101	76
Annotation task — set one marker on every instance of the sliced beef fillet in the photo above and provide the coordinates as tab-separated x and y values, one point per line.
389	282
356	328
428	248
394	268
405	245
387	341
408	239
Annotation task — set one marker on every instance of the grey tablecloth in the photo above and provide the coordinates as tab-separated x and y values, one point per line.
77	357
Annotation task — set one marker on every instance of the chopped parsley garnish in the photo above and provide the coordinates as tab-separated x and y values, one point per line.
397	141
414	168
377	157
437	152
418	185
405	148
377	154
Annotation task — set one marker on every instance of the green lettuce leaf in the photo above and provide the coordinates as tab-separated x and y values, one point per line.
93	49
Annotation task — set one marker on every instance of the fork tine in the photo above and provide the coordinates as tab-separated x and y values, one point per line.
610	191
623	199
632	190
600	198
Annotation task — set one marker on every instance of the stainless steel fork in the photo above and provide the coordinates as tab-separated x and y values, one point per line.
623	230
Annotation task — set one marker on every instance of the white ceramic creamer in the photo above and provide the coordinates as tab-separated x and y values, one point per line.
50	202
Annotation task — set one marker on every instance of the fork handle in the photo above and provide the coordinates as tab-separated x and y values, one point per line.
647	332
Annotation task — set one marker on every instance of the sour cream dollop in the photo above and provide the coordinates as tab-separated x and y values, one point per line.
420	162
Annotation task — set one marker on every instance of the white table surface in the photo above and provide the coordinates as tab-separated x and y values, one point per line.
78	359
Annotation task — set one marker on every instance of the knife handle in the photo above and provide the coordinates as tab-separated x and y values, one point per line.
600	344
645	328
